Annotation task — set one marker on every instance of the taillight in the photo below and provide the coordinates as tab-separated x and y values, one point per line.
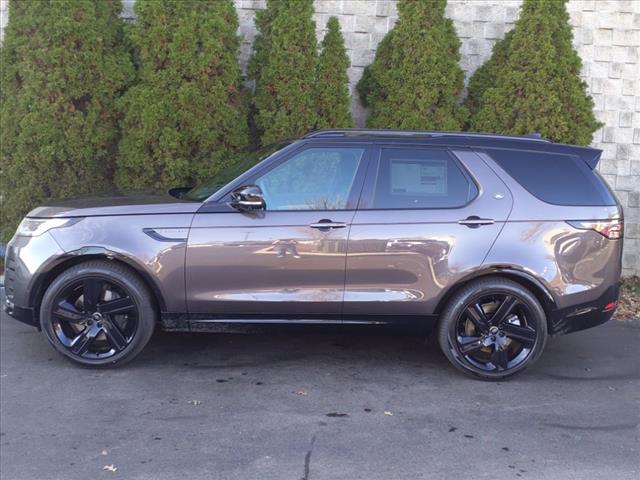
613	229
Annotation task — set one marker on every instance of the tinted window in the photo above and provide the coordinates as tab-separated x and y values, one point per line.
315	179
557	179
224	176
420	178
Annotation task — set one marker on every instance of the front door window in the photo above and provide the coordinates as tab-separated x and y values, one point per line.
314	179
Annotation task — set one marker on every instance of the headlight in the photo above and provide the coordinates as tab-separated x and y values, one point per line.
32	227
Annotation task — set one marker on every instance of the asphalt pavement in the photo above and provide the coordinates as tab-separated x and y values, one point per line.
318	405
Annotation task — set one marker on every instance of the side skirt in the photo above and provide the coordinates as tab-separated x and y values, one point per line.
185	322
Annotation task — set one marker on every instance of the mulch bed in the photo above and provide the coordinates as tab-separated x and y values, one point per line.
629	304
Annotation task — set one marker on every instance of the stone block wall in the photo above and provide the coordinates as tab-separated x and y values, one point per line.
606	35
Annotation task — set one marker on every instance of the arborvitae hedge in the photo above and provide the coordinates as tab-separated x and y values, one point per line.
415	80
484	77
333	103
284	86
184	120
263	20
62	67
537	88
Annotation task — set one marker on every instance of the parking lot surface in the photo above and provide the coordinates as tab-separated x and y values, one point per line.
318	405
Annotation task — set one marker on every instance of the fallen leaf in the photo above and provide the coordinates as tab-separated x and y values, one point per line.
195	402
302	392
387	412
613	389
110	468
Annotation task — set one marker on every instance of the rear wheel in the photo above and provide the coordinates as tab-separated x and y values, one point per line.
98	314
492	329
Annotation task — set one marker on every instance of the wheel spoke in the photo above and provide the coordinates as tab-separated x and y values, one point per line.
470	344
114	335
91	294
84	340
521	334
503	311
500	358
114	307
67	312
478	318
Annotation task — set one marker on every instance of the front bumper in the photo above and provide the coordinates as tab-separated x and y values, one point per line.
26	260
22	314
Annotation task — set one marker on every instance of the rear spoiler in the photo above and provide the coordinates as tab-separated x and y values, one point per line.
591	157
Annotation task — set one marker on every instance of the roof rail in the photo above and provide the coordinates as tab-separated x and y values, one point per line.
354	132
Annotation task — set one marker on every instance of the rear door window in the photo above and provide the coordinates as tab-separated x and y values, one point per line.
411	178
555	178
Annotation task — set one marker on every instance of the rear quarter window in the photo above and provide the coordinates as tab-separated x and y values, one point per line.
555	178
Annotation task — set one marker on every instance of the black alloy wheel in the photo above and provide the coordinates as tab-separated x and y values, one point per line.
94	318
493	328
98	313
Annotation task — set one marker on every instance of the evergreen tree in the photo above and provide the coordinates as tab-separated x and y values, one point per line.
333	103
284	86
538	88
415	80
484	77
263	20
369	90
63	65
184	120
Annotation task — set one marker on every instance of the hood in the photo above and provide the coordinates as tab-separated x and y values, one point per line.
115	204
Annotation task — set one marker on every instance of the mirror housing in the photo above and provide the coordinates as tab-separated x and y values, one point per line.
179	192
248	197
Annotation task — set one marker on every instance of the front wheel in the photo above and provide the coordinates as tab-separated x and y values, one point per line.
98	314
492	329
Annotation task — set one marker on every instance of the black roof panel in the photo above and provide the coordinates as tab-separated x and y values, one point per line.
533	142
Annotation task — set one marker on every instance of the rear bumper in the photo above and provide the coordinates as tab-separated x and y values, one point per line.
586	315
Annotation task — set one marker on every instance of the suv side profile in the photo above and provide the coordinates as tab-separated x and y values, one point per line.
492	242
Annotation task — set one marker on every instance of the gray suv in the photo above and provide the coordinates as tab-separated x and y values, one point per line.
492	242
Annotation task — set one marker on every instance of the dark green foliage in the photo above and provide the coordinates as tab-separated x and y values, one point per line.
484	77
415	80
263	20
63	65
184	120
333	103
285	65
537	87
369	90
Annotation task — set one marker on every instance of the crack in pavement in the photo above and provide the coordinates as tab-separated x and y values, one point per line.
307	460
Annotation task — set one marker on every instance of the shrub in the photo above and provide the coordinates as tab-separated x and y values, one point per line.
263	20
415	80
538	88
184	120
333	103
484	77
63	66
284	86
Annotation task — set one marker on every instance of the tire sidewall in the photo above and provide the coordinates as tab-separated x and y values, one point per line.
123	278
447	329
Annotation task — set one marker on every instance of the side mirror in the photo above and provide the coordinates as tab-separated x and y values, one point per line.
248	197
179	191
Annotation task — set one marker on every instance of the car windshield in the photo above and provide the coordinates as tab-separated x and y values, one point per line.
224	176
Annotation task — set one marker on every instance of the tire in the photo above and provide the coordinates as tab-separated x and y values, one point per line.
98	314
493	328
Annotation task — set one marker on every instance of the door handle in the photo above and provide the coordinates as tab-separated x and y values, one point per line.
474	221
325	224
